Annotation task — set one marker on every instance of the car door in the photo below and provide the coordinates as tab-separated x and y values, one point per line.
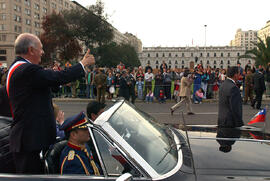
113	160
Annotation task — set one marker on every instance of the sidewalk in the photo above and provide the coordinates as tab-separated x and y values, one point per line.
170	101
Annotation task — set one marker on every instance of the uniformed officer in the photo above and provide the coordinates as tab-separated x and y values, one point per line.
76	157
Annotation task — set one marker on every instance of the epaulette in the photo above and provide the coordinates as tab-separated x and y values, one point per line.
71	155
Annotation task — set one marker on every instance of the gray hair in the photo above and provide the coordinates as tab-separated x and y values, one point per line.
23	42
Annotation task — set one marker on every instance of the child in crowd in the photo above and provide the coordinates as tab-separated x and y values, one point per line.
139	85
198	96
176	90
149	96
161	98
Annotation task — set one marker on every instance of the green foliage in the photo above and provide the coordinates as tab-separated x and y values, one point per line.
261	54
111	54
57	39
90	28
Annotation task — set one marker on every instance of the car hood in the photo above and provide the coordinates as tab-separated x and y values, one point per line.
229	150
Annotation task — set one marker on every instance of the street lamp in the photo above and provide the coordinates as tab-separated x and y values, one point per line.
205	35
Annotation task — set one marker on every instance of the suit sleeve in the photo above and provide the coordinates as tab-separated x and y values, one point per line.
236	106
39	77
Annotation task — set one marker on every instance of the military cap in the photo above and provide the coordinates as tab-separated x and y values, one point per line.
76	121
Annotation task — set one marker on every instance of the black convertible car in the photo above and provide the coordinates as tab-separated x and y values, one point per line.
129	143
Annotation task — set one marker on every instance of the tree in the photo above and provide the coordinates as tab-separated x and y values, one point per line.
57	39
261	54
90	25
111	54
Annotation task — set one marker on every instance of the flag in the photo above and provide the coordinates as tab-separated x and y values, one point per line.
255	136
259	117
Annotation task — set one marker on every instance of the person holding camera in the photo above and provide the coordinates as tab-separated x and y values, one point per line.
185	92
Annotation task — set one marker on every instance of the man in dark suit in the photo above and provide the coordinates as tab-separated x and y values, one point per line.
230	101
29	89
259	88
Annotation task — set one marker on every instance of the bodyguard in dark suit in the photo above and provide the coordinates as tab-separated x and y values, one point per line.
29	91
259	88
230	101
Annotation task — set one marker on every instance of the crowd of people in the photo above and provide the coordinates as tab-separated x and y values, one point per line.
150	84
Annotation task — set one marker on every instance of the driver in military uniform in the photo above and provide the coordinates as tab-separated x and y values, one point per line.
76	157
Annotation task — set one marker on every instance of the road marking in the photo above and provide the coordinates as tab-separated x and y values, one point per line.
175	113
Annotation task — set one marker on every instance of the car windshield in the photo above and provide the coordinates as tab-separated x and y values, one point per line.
153	141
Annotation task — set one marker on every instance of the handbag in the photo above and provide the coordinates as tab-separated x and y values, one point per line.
112	90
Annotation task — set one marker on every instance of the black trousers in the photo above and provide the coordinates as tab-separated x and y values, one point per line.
28	162
258	99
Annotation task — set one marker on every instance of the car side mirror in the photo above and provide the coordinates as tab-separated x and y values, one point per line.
124	177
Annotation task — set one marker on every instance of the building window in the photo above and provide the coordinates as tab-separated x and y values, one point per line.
148	62
2	5
215	62
215	66
17	18
183	66
170	62
221	66
191	54
3	58
176	62
163	55
156	66
66	4
201	54
28	30
37	33
221	54
3	16
3	37
183	54
3	52
157	55
170	54
27	12
148	54
183	62
229	54
36	6
28	21
17	8
53	5
215	54
176	55
37	24
44	10
176	66
27	2
170	66
221	62
156	62
228	62
208	54
17	29
207	62
36	16
2	27
238	54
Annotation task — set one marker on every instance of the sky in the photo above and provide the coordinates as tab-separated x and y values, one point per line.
174	23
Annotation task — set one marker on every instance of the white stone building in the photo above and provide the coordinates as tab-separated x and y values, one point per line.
181	57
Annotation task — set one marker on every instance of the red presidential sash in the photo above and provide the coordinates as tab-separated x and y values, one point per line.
10	72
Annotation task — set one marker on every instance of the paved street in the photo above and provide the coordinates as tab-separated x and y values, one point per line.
205	113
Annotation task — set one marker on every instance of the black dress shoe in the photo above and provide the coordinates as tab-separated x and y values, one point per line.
253	106
172	111
190	113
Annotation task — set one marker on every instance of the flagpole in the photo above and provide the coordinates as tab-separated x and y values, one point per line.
264	124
